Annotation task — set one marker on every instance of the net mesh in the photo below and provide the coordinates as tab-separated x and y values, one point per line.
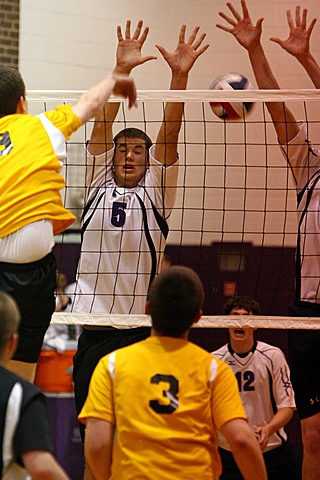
234	219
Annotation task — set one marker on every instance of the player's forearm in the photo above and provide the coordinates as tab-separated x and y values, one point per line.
261	69
284	122
174	110
92	102
167	139
102	134
250	461
101	138
281	418
41	465
311	67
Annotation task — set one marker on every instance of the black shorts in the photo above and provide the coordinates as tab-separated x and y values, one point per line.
32	285
304	356
282	463
93	345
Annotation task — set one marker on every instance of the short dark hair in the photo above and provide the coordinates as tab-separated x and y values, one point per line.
9	318
133	132
175	300
12	87
247	303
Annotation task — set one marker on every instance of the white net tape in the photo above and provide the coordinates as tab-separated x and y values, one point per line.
216	321
188	95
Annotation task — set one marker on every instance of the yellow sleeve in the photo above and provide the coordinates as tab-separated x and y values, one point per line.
64	120
226	400
99	402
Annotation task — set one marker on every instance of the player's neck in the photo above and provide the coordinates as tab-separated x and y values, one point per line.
242	346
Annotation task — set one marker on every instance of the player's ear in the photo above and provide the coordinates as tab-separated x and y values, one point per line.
12	344
147	308
22	105
196	320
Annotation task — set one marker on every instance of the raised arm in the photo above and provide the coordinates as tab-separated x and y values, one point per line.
298	43
249	36
180	61
91	102
128	56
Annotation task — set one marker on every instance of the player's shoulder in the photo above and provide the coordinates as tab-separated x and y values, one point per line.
220	352
270	351
8	380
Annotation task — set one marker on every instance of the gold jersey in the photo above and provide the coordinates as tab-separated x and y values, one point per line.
30	182
166	398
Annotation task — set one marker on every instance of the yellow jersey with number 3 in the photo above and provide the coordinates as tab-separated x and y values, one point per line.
166	397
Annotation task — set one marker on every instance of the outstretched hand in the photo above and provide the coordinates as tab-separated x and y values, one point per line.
242	28
186	53
129	48
298	41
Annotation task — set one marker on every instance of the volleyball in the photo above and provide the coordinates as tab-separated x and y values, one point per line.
231	111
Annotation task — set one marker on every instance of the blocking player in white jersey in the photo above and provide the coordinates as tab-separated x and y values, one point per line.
304	161
131	189
265	388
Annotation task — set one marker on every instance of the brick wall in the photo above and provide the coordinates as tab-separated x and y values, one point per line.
9	32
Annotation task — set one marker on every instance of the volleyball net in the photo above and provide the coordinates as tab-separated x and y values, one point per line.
234	219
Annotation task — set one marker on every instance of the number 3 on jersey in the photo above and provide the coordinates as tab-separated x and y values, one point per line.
170	393
118	216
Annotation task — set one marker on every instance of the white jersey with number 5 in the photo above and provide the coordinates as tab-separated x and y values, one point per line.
123	236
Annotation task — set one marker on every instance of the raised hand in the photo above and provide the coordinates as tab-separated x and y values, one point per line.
184	56
298	41
242	28
129	48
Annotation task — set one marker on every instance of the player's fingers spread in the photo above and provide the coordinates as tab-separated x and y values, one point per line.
276	40
259	23
312	24
234	11
162	50
227	19
304	18
128	25
193	35
298	23
198	42
289	19
144	35
119	34
202	50
137	30
182	34
147	58
225	29
245	11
